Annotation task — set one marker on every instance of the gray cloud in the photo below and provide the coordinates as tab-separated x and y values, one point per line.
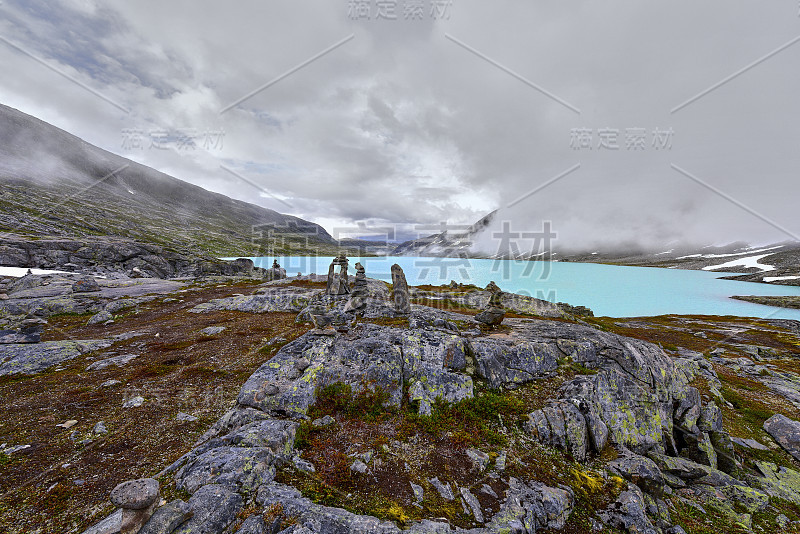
402	125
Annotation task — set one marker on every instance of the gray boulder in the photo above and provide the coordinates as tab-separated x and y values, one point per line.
240	469
167	518
640	470
214	508
628	513
786	432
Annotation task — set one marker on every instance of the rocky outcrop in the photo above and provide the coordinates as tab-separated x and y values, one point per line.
108	254
29	359
531	507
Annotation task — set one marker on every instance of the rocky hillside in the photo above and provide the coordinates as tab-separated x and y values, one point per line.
54	185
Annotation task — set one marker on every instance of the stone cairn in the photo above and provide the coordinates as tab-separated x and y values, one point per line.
276	272
400	294
358	297
138	499
337	282
494	313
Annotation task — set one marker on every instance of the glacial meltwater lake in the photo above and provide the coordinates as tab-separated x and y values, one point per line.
609	290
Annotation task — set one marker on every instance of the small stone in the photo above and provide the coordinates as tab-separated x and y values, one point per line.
119	361
473	503
271	390
444	489
212	330
491	316
303	465
185	417
302	364
324	421
100	317
100	428
109	383
419	492
750	444
134	402
79	482
359	467
782	521
68	424
500	462
479	459
16	448
3	296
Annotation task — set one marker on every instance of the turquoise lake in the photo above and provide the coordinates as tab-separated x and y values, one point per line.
608	290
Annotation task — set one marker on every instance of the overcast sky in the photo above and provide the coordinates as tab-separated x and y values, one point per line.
443	114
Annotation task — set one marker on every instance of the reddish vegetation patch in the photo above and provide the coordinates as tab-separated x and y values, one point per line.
62	482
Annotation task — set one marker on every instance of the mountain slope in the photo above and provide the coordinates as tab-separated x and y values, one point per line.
54	184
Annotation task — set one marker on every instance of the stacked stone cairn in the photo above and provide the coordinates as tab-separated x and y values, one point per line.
358	297
494	313
337	282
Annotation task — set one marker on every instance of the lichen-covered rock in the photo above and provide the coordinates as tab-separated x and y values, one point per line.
318	518
214	509
240	469
700	449
371	356
779	482
285	300
692	471
634	393
640	470
435	384
513	362
29	359
529	507
627	513
167	518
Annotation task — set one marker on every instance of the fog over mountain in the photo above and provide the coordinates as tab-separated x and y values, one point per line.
625	124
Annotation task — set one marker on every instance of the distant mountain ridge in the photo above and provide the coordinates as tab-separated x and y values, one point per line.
54	184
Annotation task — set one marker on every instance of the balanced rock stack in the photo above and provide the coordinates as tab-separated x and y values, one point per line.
400	294
494	314
138	499
358	297
275	273
337	282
